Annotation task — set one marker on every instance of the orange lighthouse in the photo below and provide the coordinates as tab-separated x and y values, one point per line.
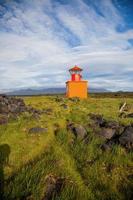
76	87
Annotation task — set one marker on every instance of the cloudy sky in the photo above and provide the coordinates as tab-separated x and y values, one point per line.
41	39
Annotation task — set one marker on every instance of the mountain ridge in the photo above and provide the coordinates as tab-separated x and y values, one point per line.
41	91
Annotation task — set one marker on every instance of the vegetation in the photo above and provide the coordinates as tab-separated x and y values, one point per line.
89	172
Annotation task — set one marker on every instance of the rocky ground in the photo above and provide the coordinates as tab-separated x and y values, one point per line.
77	136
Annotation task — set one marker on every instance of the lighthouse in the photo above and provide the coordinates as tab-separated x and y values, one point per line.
76	87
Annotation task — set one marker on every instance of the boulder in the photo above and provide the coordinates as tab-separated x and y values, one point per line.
78	130
111	124
97	119
107	146
37	129
107	133
126	139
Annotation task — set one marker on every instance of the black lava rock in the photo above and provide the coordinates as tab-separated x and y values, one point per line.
37	129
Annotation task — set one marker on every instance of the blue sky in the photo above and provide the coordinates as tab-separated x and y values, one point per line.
41	39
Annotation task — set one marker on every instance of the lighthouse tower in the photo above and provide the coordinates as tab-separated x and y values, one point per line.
76	87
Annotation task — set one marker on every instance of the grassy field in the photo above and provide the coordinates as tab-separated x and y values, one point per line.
85	167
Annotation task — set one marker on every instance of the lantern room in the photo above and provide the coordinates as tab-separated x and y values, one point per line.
75	73
76	87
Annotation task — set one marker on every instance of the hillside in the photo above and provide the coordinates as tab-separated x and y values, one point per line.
66	149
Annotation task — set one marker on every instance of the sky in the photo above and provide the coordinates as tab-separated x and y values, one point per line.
41	39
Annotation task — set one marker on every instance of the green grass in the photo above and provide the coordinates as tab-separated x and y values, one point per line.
90	173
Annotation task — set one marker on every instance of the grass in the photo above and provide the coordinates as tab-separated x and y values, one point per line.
90	173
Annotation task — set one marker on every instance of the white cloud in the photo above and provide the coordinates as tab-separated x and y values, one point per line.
36	39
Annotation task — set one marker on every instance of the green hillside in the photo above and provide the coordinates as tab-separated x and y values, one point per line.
65	158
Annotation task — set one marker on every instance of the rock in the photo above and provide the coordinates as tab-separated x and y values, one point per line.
110	142
78	130
107	133
107	146
64	106
53	187
59	99
126	139
13	107
3	108
111	124
37	129
74	99
101	122
97	119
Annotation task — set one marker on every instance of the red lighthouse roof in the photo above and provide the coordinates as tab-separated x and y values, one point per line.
75	68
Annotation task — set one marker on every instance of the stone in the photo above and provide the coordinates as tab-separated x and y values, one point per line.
107	133
53	187
97	119
107	146
13	107
74	99
111	124
37	129
78	130
126	139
